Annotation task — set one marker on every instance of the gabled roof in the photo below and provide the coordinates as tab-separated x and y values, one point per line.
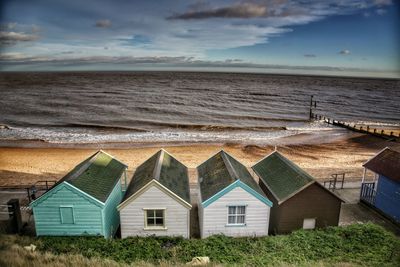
386	163
222	170
96	176
282	177
166	170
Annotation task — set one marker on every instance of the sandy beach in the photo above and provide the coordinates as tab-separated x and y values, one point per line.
25	166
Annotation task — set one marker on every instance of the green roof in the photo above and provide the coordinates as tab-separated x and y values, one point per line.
220	171
282	177
164	168
96	176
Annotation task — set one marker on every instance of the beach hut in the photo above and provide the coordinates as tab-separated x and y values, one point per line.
299	200
383	192
230	201
157	200
84	202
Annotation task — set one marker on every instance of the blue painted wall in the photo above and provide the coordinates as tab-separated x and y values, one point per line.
110	213
87	213
388	197
89	217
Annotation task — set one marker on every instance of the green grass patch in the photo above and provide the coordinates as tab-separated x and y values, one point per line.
358	244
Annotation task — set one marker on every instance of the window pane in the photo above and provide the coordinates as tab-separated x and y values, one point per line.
150	221
241	209
240	219
150	213
159	213
232	210
159	222
231	219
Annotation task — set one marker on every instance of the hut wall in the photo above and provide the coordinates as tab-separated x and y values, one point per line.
215	216
110	213
133	215
388	197
85	214
312	202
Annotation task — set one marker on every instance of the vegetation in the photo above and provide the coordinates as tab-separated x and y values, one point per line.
359	244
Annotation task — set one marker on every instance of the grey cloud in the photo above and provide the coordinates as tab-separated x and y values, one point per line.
103	23
382	2
310	55
10	38
246	10
344	52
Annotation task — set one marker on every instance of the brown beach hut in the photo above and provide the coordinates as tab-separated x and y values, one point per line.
299	201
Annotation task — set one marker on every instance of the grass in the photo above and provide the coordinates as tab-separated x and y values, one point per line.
354	245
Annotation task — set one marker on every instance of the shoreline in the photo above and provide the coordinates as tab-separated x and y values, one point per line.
26	165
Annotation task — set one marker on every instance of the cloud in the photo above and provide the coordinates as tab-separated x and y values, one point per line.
14	59
310	55
12	33
103	23
382	2
381	11
246	10
344	52
11	38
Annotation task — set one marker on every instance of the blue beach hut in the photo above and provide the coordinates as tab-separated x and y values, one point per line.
384	192
84	202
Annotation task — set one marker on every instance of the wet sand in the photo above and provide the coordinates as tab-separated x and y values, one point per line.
25	166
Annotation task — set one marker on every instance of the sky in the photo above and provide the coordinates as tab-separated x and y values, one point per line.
359	37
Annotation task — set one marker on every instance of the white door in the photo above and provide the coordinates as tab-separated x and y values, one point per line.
309	223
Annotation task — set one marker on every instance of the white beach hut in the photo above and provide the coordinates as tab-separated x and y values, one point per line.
157	200
230	200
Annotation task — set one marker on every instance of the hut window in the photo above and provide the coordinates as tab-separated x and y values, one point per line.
236	215
309	223
67	215
155	218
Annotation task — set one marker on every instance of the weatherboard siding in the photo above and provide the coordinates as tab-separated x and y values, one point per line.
215	216
87	215
388	197
312	202
110	213
133	215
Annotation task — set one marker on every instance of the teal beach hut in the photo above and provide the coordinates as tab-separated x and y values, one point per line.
84	202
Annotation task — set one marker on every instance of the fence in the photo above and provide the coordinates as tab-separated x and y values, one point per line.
368	193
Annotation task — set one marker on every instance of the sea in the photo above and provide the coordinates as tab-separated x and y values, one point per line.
187	107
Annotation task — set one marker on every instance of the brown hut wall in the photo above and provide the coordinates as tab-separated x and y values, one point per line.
312	202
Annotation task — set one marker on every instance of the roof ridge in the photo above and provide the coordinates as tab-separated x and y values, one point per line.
229	166
84	167
157	167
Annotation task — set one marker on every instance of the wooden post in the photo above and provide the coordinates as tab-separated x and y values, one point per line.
15	216
368	128
364	173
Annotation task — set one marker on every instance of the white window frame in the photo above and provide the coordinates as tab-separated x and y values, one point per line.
61	214
155	227
236	215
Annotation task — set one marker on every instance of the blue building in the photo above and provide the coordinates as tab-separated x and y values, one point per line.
383	192
84	202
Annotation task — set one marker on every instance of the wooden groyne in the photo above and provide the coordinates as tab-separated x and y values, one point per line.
360	128
388	135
